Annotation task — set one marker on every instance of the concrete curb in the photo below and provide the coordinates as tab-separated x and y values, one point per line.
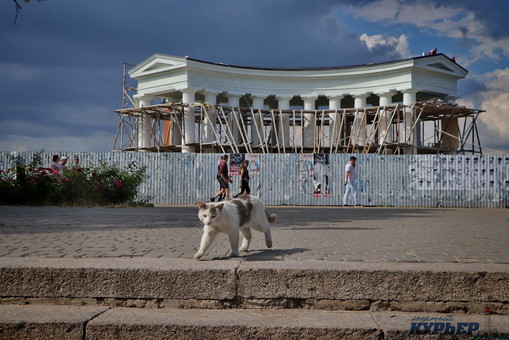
387	281
117	278
45	322
233	283
64	322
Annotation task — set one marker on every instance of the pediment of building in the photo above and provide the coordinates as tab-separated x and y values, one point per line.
155	64
441	63
440	66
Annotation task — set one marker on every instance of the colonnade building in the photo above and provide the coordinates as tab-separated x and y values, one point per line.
181	104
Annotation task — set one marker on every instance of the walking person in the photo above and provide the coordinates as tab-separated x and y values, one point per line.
56	165
351	182
63	162
75	163
223	178
244	179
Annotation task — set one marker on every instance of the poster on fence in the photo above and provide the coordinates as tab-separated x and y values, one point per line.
254	174
305	173
236	160
321	175
314	174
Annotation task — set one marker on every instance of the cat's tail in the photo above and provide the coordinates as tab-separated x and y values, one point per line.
270	217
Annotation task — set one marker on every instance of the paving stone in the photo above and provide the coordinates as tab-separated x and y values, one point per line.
323	233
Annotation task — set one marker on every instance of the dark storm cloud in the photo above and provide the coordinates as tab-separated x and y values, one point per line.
268	33
61	64
489	13
248	30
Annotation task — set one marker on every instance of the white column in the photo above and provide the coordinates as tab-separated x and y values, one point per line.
234	100
409	97
309	122
384	129
257	104
335	102
335	119
145	125
360	128
188	96
233	118
284	121
210	121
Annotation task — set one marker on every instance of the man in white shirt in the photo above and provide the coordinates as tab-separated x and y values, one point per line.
351	182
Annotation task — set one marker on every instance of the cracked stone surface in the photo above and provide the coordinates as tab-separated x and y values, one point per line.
352	234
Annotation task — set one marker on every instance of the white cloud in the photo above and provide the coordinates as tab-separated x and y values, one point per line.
393	11
95	142
398	44
59	127
494	123
445	21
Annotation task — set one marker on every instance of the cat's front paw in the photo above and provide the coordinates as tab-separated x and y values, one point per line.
243	249
198	255
234	254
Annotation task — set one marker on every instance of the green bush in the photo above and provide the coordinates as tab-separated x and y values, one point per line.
88	186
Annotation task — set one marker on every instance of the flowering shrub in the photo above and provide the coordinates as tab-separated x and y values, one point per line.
22	185
103	185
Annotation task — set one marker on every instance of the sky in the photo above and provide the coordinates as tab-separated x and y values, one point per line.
61	62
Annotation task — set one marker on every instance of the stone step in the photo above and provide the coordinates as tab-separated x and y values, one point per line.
94	323
182	283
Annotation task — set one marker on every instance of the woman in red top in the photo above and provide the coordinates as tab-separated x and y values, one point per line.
223	178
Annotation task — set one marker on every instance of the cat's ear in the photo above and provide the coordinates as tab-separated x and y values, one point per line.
202	205
219	206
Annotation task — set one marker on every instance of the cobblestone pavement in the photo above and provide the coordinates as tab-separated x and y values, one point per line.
324	233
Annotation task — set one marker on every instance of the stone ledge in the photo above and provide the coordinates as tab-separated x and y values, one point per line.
64	322
117	278
291	324
231	324
45	322
370	281
184	283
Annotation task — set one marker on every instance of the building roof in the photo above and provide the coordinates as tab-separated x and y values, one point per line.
320	67
161	74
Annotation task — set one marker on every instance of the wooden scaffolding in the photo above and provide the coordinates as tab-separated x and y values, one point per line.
433	126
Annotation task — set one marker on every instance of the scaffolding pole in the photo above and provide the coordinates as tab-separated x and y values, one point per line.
344	133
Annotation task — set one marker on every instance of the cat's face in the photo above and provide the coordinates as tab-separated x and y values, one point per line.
209	213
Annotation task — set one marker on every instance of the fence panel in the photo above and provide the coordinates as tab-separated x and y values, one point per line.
473	181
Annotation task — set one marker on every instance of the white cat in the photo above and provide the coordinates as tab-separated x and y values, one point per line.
230	217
